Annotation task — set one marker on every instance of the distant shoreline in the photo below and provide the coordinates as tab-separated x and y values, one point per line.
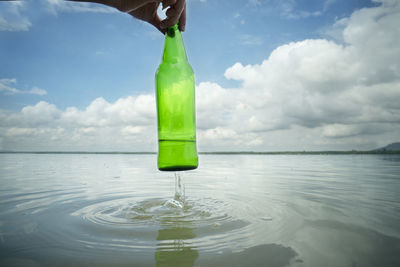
350	152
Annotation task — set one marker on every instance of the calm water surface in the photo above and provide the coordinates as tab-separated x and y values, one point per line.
235	210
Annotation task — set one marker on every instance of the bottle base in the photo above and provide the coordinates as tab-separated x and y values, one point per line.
177	168
177	155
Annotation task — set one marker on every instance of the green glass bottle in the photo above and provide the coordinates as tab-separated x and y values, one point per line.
175	97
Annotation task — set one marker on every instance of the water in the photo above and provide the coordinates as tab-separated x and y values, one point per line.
235	210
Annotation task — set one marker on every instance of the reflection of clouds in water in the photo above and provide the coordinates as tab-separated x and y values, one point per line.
272	255
331	243
319	243
303	211
177	247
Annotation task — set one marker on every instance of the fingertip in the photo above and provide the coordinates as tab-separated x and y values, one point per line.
170	12
168	22
156	23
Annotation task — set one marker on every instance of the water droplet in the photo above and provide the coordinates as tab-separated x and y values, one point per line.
172	203
266	218
216	225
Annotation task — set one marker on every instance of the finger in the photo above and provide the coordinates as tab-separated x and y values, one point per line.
175	14
179	6
145	2
128	6
171	12
167	3
182	20
156	23
169	22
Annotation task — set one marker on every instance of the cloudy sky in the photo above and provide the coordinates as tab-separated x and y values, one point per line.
271	75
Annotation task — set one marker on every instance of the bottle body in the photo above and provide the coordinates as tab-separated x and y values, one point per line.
175	97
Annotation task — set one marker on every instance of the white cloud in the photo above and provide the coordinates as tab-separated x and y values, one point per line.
311	94
336	30
327	4
126	124
348	91
14	16
129	111
40	114
12	132
12	19
340	130
131	130
387	3
242	21
37	91
11	25
7	86
288	9
55	6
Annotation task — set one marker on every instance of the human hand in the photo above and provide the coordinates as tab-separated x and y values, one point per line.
146	10
175	13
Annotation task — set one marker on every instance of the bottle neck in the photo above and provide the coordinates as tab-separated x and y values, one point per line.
174	50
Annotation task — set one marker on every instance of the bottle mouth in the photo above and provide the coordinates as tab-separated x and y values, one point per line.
171	30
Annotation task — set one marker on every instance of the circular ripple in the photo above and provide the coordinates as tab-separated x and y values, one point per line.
158	211
209	224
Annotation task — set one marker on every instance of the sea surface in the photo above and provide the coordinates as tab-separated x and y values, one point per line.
234	210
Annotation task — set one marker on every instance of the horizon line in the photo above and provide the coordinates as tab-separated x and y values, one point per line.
374	151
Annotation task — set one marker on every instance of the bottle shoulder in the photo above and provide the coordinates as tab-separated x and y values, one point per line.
175	64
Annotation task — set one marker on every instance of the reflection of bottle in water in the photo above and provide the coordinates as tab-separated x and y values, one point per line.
176	107
175	246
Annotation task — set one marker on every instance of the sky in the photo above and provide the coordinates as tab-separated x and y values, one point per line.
271	75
